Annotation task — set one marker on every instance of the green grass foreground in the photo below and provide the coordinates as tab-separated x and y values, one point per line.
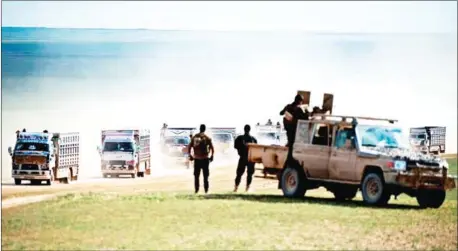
228	221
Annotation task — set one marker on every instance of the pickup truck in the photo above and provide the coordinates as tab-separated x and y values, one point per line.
346	154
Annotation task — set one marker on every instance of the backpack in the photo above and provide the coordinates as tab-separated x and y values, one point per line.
200	144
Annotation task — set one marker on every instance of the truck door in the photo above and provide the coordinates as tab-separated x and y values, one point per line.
343	155
311	148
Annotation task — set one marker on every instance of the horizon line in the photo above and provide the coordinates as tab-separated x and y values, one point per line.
229	30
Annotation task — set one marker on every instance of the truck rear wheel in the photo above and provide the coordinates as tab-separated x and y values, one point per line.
17	181
430	198
133	175
68	179
374	190
48	182
293	182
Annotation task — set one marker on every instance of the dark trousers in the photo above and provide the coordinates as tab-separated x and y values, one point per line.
244	163
201	165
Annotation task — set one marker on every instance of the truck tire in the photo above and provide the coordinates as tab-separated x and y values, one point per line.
345	193
17	181
48	182
68	179
374	190
430	198
141	174
105	176
133	175
293	182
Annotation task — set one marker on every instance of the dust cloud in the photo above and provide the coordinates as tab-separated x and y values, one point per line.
410	78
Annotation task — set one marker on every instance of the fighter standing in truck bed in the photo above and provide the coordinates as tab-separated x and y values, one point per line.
202	146
293	112
241	145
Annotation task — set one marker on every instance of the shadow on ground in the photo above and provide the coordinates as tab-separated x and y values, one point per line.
268	198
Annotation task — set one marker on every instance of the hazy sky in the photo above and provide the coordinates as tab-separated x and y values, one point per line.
433	16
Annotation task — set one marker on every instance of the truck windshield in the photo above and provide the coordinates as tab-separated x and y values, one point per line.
418	136
268	135
32	147
382	136
178	141
118	146
222	137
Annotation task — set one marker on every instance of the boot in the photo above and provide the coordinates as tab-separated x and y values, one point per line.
236	188
247	189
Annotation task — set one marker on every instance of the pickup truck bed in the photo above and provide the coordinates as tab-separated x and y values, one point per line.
272	157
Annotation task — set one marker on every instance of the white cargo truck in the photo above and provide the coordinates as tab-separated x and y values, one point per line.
125	152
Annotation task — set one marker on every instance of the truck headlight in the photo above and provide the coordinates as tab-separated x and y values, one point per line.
398	165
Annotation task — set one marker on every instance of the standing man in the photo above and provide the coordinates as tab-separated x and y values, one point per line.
292	113
202	146
241	145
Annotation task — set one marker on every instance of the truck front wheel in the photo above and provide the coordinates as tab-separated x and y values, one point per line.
430	198
293	182
17	181
374	190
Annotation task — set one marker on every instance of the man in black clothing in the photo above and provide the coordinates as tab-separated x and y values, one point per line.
241	145
292	113
203	152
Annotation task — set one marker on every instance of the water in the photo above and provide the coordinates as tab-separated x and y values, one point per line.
87	79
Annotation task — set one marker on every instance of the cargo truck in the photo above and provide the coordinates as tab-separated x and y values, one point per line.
428	139
43	156
125	152
223	138
174	143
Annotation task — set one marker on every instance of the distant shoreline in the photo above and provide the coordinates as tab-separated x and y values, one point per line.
229	31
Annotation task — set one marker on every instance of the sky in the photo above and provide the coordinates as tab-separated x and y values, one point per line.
325	16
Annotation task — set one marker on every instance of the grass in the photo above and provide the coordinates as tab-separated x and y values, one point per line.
222	221
225	221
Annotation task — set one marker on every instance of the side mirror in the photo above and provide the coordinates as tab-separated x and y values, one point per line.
99	150
138	148
10	151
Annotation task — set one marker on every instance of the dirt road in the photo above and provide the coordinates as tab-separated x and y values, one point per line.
221	179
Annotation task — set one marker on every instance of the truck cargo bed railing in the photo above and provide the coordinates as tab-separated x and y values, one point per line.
345	117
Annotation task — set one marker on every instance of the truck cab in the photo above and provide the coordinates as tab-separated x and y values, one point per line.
33	157
428	139
223	138
269	134
121	153
175	141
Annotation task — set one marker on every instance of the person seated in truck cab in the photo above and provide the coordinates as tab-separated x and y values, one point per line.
345	138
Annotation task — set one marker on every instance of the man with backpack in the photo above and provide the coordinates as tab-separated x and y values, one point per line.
241	145
202	146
